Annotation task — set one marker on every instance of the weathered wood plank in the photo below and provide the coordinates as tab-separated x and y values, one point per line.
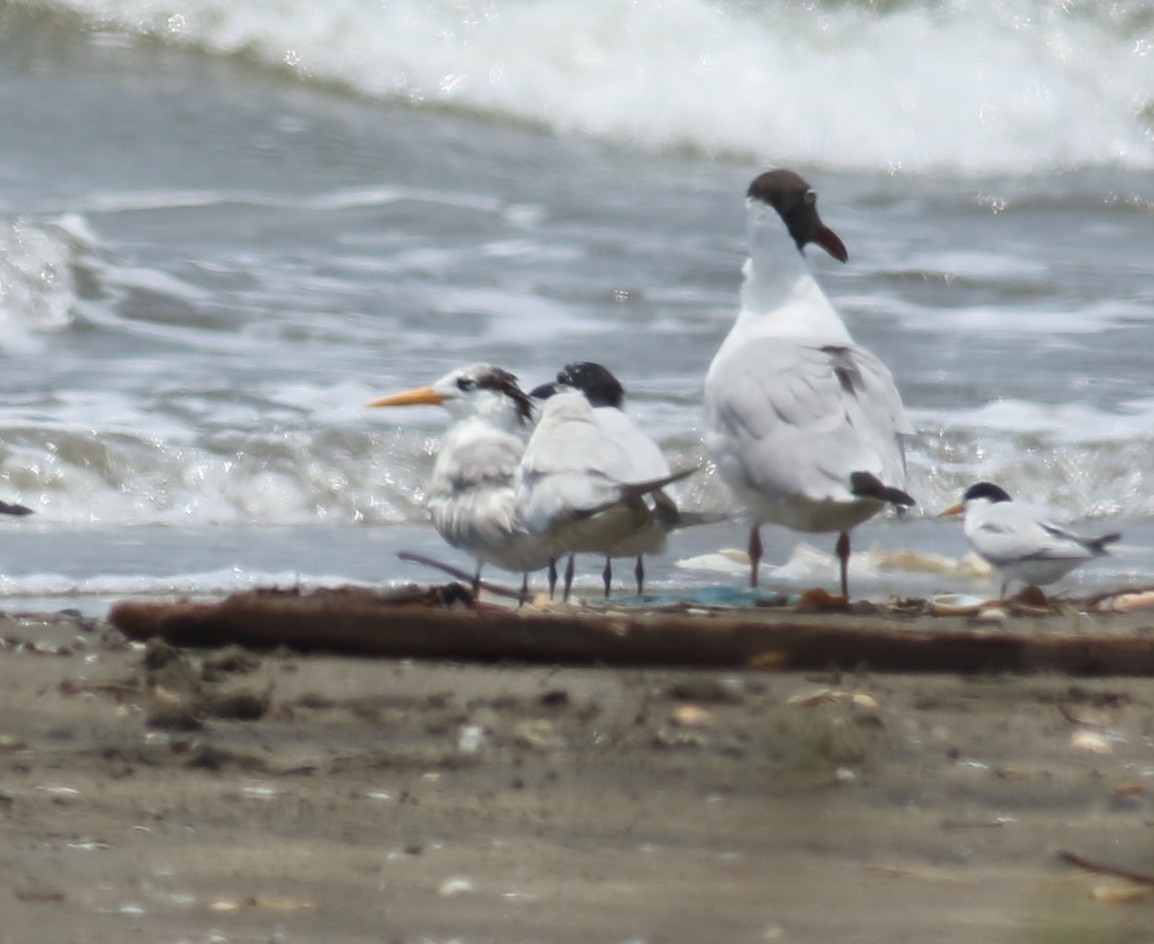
423	625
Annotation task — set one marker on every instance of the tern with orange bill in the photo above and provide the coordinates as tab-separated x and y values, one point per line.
1019	544
471	494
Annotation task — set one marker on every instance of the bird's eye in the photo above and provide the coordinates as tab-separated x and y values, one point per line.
466	383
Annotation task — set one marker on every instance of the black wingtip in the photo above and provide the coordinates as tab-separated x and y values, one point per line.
868	485
6	509
632	491
639	489
1099	544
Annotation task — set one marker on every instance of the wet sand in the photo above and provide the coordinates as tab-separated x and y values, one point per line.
184	795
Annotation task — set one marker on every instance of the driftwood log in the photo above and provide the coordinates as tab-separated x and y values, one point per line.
445	623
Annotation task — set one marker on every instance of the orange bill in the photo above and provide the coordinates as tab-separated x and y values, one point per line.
418	396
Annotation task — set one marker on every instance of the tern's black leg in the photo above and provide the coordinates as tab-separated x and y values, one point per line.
552	576
569	568
639	573
843	556
754	555
607	575
477	580
524	598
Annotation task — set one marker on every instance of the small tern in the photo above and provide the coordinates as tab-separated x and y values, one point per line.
805	426
647	462
577	487
1019	545
471	496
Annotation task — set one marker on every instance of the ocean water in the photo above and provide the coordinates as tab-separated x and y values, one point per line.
224	226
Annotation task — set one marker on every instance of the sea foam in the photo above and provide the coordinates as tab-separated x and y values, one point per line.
960	86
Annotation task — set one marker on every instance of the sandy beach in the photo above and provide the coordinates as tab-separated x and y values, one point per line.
226	227
191	795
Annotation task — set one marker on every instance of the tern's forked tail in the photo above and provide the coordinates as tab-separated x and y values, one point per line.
628	492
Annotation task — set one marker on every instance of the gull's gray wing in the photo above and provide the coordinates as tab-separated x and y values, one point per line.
800	419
